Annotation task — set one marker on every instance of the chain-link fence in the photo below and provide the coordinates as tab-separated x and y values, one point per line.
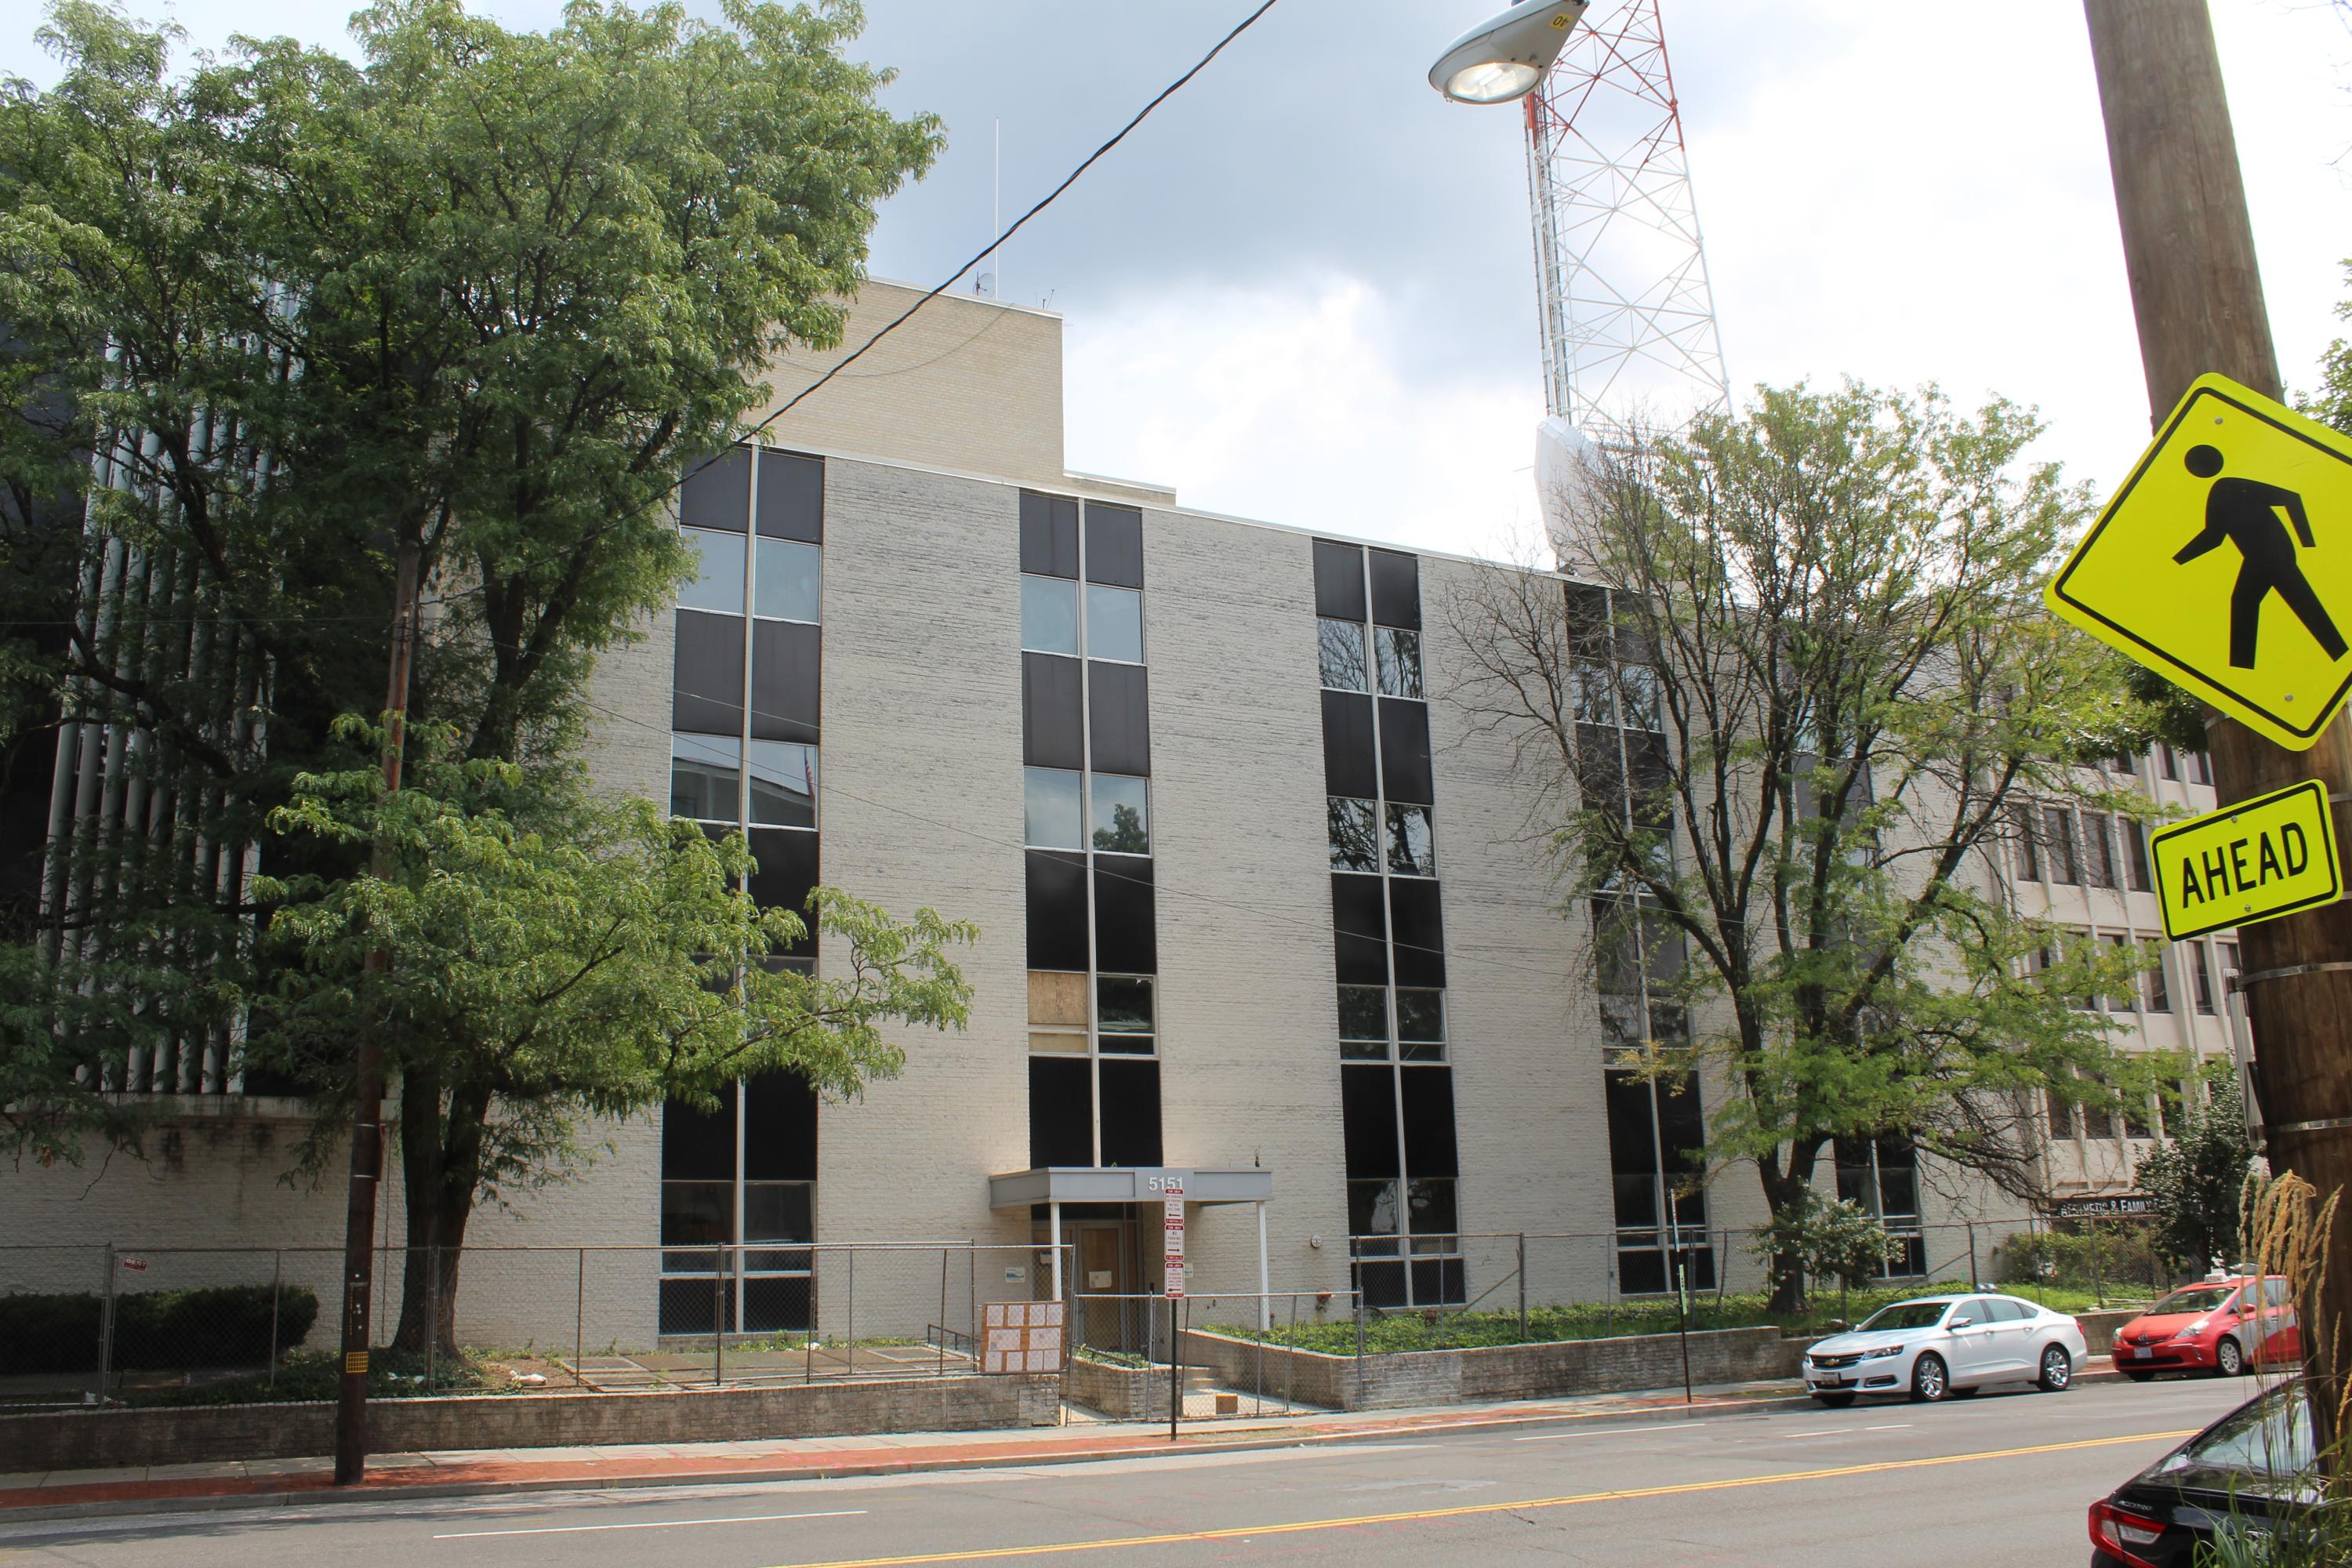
1206	1357
1470	1289
175	1325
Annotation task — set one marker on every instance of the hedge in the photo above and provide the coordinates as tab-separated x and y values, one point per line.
222	1326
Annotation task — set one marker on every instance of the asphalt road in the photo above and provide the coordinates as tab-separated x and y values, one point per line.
1997	1480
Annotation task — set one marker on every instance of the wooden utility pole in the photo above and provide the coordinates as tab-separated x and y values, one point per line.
367	1078
2189	250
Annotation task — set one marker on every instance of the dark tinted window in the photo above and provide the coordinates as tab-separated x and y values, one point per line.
1404	750
1632	1150
1427	1098
1131	1112
1348	765
1588	619
699	1145
1052	733
707	694
1367	1117
1363	937
1061	1111
1119	703
1396	589
1057	909
785	679
778	1130
788	870
1124	936
718	491
1114	544
791	497
1418	930
1339	581
1049	535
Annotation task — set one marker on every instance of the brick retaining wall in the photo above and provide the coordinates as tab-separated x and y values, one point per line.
94	1439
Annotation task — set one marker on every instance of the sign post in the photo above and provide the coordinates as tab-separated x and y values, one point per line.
1172	1222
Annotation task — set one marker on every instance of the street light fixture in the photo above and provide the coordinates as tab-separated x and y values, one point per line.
1503	58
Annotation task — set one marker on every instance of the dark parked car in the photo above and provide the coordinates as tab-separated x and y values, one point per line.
2251	1470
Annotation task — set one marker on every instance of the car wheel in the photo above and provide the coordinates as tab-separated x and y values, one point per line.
2229	1359
1930	1379
2057	1369
1834	1401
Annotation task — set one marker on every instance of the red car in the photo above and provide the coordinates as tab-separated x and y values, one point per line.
2223	1326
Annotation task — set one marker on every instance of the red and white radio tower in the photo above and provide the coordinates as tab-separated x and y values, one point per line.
1629	330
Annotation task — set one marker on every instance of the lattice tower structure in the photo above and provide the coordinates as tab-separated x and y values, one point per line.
1629	327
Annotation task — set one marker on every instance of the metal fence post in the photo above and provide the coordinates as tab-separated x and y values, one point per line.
1523	1287
850	1312
106	1328
277	1284
944	1316
580	1321
718	1317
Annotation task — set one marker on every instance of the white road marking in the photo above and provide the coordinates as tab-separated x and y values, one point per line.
1610	1431
1898	1426
652	1524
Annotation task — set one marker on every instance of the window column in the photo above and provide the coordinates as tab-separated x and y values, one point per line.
1085	737
1657	1128
1396	1087
744	759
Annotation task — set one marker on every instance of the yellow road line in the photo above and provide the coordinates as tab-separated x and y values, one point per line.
1239	1533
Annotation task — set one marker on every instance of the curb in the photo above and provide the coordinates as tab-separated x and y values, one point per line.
752	1472
820	1469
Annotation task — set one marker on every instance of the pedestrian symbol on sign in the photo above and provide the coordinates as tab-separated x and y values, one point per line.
2256	628
2246	512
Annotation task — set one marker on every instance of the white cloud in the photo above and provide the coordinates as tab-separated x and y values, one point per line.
1290	405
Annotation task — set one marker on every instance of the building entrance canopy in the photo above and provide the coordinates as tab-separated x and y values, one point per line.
1054	1185
1125	1184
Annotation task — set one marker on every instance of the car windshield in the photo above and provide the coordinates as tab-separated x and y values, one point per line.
1906	1315
2195	1298
2262	1447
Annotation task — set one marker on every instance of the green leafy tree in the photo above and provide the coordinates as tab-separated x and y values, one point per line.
1785	749
558	963
2198	1173
277	319
1824	1239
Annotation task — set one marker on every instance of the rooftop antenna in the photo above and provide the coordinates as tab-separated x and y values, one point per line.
992	282
1629	325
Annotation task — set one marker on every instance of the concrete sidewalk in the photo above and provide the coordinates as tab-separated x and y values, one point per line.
30	1494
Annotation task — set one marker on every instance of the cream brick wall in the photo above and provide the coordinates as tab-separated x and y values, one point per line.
1250	1056
921	804
968	384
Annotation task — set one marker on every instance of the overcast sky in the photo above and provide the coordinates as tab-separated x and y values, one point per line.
1304	291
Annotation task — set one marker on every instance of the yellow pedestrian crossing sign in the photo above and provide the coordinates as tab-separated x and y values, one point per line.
2225	563
2256	860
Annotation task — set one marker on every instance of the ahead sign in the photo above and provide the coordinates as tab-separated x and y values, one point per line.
2256	860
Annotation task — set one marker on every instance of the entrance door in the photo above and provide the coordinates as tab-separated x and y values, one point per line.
1109	1316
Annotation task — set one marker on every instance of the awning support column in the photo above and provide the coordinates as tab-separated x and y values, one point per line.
1054	1207
1264	1289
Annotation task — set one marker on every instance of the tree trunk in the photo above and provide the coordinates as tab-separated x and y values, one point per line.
1784	1191
439	1155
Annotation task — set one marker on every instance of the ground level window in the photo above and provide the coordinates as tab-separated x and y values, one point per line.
1657	1132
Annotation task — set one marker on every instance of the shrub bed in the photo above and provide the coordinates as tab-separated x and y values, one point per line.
223	1325
1592	1319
